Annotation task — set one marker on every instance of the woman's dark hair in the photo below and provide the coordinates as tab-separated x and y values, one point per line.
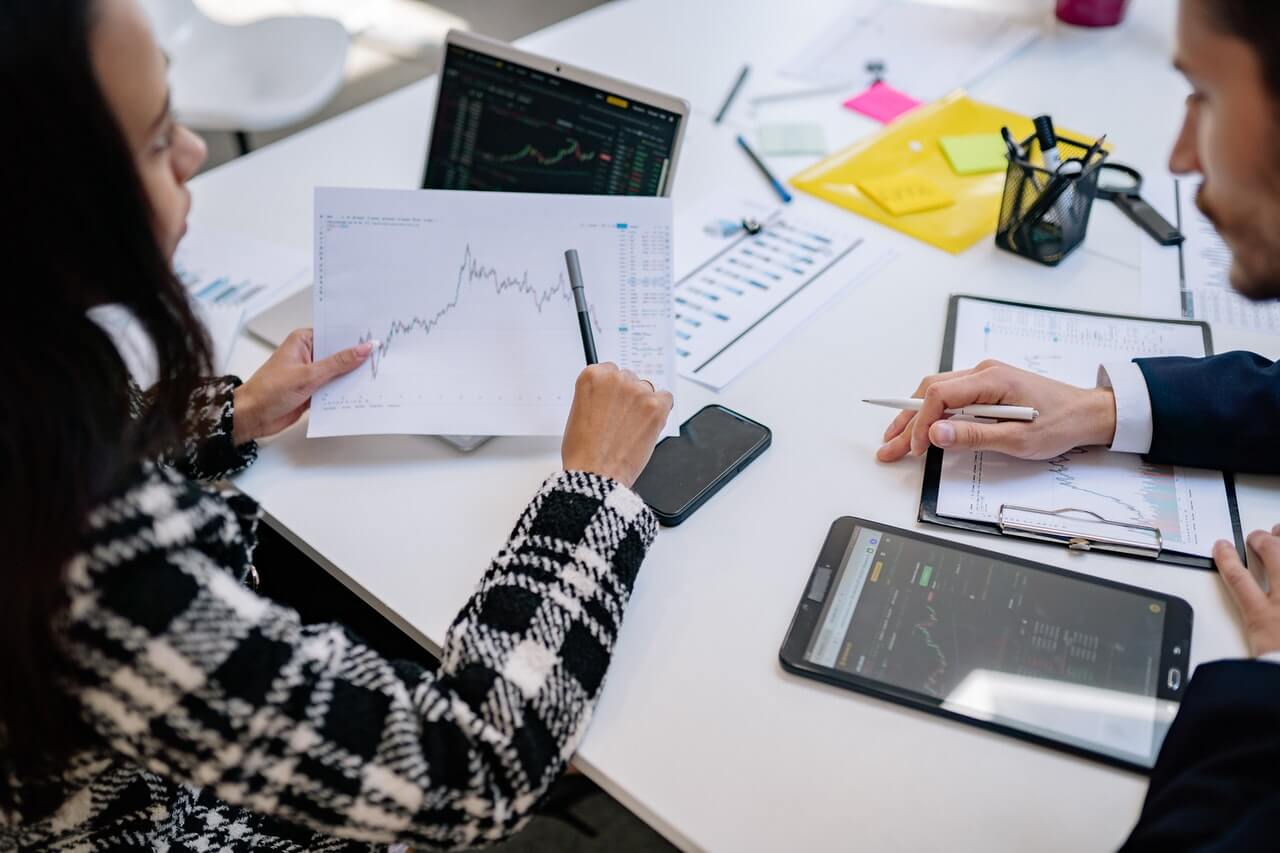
77	230
1257	23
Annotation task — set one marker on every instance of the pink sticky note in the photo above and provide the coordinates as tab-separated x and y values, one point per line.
882	102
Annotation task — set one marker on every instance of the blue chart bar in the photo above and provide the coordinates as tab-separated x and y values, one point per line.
237	293
250	293
213	288
223	292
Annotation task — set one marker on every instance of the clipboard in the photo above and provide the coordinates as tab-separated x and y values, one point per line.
1069	527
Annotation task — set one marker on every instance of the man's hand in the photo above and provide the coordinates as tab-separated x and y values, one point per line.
281	390
1069	416
1259	609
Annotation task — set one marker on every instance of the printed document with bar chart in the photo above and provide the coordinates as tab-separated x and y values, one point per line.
468	298
1189	506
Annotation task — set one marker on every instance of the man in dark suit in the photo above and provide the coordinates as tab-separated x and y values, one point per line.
1216	784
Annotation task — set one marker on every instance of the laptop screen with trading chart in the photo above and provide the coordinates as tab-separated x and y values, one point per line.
503	126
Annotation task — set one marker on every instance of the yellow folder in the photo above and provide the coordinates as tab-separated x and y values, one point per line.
909	146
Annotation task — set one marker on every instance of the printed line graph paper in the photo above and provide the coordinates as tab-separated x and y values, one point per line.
468	299
1188	505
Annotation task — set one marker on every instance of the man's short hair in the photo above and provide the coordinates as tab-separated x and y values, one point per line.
1258	23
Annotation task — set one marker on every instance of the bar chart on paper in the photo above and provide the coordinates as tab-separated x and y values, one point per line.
230	278
233	271
467	298
750	290
1188	505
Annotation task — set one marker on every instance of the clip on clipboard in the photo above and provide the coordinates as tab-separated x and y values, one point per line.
1081	530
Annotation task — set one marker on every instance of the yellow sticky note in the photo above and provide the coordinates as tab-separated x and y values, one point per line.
976	153
905	193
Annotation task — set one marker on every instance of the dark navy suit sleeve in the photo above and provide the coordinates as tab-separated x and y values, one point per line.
1217	412
1216	784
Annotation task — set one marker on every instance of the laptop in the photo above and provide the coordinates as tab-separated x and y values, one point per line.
511	121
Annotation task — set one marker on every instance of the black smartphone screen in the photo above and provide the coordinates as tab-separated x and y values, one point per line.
711	447
1088	664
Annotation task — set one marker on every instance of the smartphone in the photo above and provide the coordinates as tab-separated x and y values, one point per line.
686	470
1066	660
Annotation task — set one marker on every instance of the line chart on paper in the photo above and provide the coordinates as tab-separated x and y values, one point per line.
1180	502
473	273
468	302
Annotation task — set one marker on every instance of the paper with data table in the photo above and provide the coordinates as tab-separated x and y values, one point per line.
1193	279
468	299
1189	506
740	294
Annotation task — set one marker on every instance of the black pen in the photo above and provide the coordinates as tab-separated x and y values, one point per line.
764	170
580	302
733	93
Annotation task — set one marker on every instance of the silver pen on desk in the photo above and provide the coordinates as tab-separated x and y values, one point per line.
999	413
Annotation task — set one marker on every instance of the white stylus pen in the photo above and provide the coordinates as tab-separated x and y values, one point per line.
999	413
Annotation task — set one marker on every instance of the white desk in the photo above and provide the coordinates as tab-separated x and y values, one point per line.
699	731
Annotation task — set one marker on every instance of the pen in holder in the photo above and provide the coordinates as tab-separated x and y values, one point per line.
1044	213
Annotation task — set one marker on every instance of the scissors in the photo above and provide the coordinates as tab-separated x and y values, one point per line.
1121	185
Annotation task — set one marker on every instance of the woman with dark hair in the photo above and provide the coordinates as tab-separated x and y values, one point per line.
149	699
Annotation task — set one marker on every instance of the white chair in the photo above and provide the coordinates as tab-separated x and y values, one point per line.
255	77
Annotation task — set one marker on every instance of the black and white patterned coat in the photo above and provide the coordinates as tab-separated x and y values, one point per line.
221	723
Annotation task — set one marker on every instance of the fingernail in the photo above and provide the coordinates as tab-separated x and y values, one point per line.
365	348
944	434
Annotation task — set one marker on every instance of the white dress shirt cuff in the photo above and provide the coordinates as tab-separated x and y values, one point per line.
1271	657
1133	406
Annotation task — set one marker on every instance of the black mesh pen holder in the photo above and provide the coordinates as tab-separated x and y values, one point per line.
1043	214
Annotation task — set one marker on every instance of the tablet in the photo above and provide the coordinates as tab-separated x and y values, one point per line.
1062	659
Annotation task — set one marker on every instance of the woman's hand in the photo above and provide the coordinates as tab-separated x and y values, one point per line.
280	391
614	423
1069	416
